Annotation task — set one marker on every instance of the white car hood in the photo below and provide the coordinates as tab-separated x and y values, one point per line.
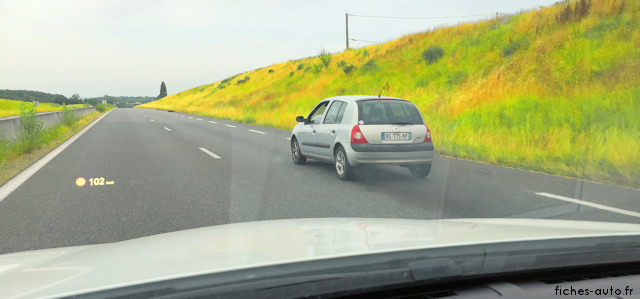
76	270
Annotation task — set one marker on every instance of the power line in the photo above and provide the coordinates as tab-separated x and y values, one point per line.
366	41
398	17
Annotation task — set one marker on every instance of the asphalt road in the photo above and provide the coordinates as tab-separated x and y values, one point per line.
165	172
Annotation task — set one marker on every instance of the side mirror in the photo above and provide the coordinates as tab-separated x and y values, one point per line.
300	119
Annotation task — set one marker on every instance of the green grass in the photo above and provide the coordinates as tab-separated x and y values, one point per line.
12	107
522	91
16	156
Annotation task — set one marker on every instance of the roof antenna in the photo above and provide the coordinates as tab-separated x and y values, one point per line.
383	87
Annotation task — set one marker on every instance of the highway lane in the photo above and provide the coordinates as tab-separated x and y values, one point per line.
173	171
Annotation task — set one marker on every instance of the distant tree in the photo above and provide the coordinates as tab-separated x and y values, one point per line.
163	91
75	99
30	96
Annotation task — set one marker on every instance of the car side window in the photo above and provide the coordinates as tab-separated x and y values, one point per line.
341	113
316	114
332	114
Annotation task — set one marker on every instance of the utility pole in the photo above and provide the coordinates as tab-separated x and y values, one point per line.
346	15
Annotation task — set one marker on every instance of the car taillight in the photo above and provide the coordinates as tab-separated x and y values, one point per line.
427	138
356	135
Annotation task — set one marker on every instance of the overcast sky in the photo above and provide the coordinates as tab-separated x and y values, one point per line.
127	48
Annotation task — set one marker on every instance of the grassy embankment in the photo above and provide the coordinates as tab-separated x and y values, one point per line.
35	141
11	107
541	90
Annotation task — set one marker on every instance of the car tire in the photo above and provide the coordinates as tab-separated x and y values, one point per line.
343	169
296	154
420	171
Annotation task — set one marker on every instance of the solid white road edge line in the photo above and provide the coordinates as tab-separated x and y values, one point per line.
230	126
167	129
18	180
590	204
259	132
209	153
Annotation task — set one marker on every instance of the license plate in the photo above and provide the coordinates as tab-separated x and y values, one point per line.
396	136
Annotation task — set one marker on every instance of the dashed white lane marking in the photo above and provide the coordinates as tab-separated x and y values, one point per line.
152	120
199	118
259	132
230	126
182	115
590	204
209	153
167	129
288	138
190	116
213	122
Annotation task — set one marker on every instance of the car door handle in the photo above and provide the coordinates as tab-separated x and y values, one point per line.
314	131
333	131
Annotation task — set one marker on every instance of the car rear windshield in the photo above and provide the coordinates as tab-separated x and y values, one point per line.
378	112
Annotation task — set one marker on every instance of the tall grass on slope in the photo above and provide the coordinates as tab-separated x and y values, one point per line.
536	90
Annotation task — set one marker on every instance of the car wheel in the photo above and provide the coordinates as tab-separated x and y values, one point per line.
296	154
344	170
420	171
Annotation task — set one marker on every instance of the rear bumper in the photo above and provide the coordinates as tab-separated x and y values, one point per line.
390	154
412	147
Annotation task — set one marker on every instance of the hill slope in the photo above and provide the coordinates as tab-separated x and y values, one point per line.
554	90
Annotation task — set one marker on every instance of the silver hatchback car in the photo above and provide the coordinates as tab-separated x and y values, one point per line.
351	131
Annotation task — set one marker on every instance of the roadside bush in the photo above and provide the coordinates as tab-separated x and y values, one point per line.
342	64
432	54
225	81
4	148
577	13
68	119
370	67
246	78
513	46
300	66
249	119
456	77
100	107
31	134
325	57
290	74
348	69
317	68
271	71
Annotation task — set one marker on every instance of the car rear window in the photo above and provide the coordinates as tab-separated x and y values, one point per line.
378	112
